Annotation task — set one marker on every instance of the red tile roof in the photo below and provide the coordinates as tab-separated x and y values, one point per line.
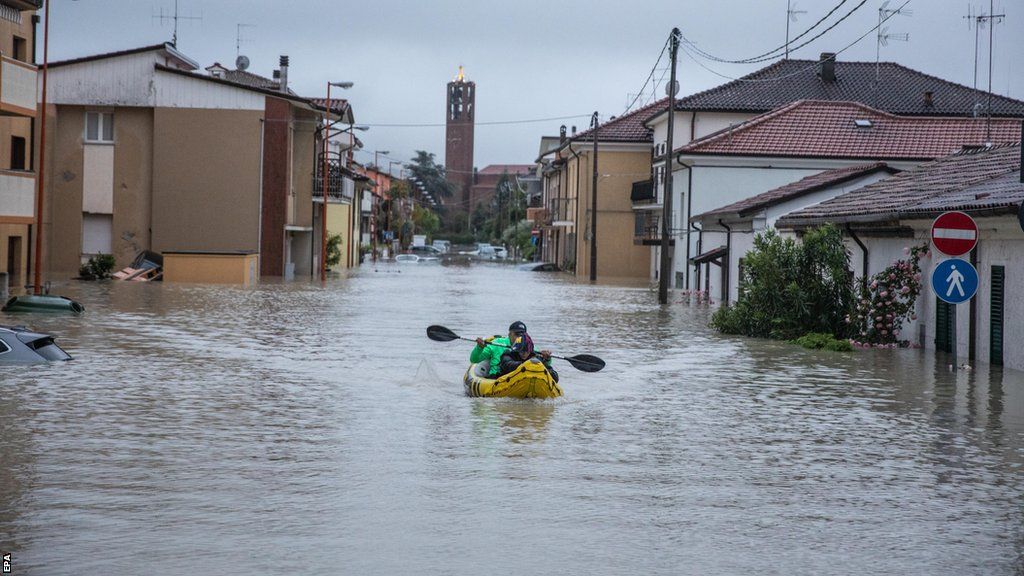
971	180
824	129
499	169
626	128
796	189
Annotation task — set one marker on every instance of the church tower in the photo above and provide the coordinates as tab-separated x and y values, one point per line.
458	150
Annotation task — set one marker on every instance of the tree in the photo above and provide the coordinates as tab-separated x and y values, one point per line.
425	220
430	175
790	289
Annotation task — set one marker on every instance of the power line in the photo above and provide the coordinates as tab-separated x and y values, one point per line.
492	123
796	72
649	76
765	59
785	46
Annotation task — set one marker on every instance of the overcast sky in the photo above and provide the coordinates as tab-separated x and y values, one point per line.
530	59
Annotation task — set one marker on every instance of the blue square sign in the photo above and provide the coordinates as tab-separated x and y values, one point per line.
955	281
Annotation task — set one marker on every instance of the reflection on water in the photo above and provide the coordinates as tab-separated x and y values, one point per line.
299	429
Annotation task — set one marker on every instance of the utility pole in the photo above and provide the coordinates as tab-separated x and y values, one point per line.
666	205
593	207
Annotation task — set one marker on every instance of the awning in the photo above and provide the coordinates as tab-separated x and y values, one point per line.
642	191
710	255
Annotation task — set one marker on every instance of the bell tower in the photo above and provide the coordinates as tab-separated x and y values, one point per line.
458	150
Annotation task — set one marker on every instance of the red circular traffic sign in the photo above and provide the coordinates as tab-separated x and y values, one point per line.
954	233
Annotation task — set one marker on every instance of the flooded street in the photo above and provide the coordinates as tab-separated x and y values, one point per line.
298	429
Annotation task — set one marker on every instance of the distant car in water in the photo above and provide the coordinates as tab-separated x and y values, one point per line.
540	267
19	345
429	251
500	252
414	259
444	246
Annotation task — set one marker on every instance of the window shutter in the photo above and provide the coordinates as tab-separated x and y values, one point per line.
996	316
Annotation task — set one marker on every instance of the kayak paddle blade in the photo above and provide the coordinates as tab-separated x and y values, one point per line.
441	334
586	362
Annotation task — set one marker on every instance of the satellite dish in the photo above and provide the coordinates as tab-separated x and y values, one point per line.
671	89
242	62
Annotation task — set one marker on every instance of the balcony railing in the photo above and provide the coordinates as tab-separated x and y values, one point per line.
17	195
17	88
537	215
339	187
647	230
560	212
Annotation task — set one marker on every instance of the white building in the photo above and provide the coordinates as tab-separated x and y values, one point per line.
884	218
888	87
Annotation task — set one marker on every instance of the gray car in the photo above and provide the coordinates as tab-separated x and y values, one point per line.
19	345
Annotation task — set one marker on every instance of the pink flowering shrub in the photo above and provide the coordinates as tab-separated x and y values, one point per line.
887	302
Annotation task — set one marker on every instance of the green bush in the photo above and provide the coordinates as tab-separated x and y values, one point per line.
818	341
333	250
98	267
790	289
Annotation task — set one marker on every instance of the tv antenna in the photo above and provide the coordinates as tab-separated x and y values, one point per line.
175	17
884	36
239	39
978	21
791	12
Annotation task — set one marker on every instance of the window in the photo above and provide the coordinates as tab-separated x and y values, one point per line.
4	348
99	127
17	153
20	49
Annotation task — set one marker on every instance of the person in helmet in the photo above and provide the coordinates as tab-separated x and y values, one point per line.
521	350
491	349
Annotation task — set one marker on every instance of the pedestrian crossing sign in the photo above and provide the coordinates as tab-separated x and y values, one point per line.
955	281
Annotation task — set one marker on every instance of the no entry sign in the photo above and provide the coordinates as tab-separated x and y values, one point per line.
954	233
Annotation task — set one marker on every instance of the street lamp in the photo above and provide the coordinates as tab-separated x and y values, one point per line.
325	181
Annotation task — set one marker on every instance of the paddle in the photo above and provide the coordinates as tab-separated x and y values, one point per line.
584	362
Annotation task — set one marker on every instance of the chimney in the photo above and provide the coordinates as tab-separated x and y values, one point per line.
827	71
573	130
284	74
929	100
561	134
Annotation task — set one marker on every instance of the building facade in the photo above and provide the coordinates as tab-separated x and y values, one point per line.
145	153
17	139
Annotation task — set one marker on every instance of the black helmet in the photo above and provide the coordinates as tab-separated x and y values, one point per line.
517	327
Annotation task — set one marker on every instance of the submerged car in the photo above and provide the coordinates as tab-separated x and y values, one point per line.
539	267
19	345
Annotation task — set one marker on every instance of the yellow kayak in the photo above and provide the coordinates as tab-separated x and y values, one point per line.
530	380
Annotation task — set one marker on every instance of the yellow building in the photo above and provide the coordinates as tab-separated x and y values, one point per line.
17	146
623	162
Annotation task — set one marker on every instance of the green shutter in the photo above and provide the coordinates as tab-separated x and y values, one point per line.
995	354
945	325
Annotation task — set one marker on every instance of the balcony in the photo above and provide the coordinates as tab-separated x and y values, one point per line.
559	212
537	215
17	88
340	184
17	196
23	4
647	230
643	194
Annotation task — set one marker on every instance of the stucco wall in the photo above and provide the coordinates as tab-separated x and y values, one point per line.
63	211
206	180
617	256
133	180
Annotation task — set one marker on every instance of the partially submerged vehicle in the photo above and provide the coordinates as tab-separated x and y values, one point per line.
539	267
19	345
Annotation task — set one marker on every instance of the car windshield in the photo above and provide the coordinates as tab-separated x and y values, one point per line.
51	351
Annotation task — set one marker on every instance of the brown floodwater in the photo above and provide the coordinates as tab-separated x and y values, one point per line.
295	428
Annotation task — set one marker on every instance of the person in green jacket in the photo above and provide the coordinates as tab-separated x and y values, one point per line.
491	349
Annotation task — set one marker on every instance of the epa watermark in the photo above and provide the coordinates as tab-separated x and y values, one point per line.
7	563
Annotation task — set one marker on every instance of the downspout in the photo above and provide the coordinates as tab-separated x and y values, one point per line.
578	203
259	215
693	126
689	208
864	249
32	125
700	248
972	327
725	265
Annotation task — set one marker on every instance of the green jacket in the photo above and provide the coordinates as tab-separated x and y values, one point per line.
497	345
